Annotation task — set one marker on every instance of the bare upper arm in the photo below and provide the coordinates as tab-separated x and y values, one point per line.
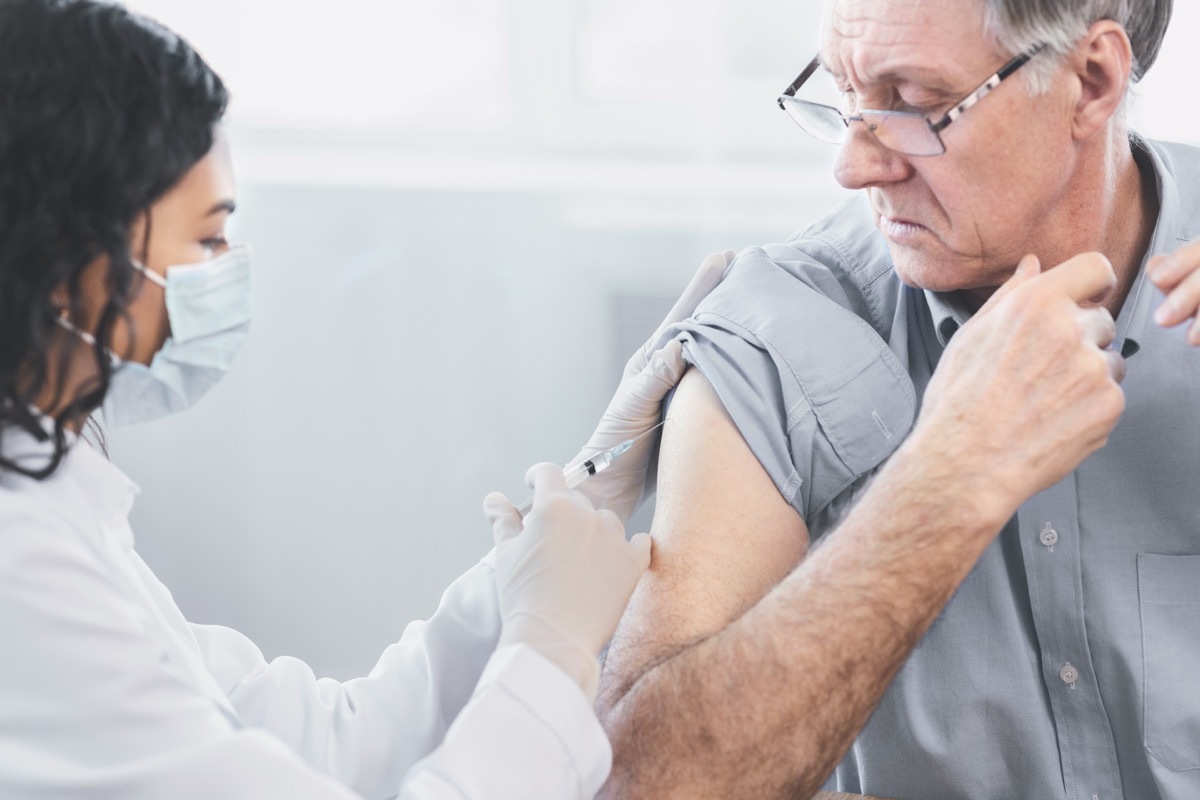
723	537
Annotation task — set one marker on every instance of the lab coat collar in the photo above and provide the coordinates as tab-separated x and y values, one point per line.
109	491
104	489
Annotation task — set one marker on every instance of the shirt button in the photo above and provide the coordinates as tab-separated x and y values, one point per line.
1069	674
1049	536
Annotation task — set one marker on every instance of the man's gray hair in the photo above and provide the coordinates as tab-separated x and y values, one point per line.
1018	25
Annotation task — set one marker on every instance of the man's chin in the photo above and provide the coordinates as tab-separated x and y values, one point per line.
920	271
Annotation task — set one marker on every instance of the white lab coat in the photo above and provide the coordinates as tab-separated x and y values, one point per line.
106	691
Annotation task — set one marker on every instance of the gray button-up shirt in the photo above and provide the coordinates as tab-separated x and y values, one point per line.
1068	663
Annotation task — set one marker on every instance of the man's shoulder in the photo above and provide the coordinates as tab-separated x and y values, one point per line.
843	257
1181	153
1180	161
794	341
846	235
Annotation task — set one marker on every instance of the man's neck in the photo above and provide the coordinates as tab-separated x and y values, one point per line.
1132	218
1128	212
1115	214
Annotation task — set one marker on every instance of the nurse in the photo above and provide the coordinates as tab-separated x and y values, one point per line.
118	289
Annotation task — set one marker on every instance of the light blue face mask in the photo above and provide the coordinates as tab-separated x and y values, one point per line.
208	307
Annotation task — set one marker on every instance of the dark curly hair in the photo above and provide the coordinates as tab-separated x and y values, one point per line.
101	112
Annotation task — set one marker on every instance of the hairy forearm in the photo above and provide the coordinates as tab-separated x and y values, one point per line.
770	704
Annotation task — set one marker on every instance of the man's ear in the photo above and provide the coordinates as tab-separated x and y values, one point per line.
1102	62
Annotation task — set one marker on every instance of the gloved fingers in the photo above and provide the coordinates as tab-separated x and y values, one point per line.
641	392
707	278
505	521
641	546
610	521
665	369
545	479
710	274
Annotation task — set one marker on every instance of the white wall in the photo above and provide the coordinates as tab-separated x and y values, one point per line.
464	215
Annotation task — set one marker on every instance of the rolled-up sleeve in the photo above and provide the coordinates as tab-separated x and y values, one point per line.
813	388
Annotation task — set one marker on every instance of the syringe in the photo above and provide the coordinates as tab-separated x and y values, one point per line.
579	473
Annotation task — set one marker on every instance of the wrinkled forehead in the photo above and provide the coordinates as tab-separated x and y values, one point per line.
872	41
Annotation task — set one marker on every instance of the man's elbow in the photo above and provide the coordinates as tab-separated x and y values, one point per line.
640	765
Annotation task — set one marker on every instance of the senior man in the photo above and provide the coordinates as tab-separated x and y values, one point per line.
809	532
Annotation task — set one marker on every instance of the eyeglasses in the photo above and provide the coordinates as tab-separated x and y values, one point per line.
909	133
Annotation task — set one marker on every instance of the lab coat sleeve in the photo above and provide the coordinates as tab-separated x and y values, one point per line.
368	732
94	702
529	733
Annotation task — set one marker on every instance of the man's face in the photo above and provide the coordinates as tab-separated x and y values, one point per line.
961	220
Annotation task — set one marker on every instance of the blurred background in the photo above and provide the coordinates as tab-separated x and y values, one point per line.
465	215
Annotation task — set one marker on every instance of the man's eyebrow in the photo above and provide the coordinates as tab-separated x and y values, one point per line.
824	68
924	79
227	206
915	75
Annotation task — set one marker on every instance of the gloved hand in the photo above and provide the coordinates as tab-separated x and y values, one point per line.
637	405
564	574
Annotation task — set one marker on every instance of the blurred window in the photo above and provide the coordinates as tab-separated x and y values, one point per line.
679	78
354	65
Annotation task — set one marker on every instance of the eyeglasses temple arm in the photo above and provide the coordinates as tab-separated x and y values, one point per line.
987	86
804	76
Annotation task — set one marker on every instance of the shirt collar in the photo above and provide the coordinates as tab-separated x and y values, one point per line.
1172	229
950	312
105	488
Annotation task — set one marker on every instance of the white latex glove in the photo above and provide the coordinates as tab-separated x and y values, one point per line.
564	574
637	405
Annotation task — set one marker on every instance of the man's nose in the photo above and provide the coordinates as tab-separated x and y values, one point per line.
864	161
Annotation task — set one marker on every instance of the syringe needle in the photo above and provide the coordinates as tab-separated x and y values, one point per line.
579	473
642	435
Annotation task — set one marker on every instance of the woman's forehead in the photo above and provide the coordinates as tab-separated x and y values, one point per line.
209	181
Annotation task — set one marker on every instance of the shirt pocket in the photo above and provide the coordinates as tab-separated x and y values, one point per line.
1169	594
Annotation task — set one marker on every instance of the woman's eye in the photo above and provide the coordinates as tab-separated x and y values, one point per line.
214	243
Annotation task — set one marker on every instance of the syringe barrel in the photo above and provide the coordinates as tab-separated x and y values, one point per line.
577	474
585	469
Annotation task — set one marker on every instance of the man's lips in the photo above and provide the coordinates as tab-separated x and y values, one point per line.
896	219
900	229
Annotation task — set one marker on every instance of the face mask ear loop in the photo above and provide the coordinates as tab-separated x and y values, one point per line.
151	276
64	321
63	318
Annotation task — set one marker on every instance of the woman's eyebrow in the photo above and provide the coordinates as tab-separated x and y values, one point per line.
225	205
